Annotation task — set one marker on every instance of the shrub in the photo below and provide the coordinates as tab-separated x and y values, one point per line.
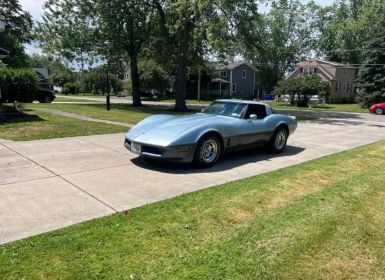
70	88
18	85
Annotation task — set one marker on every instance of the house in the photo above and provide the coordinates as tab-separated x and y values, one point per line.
235	79
340	76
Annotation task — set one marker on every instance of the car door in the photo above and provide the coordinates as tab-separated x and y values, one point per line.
252	131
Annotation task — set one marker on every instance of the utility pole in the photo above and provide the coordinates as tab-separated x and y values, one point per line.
199	84
108	88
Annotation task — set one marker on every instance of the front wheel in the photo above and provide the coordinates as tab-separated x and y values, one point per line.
278	142
379	111
208	151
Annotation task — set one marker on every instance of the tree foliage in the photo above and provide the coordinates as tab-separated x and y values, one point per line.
302	89
69	31
17	84
371	75
153	76
13	40
345	28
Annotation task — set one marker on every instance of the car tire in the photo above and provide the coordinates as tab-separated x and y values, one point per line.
207	151
379	111
278	142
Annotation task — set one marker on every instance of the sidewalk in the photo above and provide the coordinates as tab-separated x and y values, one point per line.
81	117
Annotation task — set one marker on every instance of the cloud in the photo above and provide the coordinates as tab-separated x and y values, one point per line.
35	7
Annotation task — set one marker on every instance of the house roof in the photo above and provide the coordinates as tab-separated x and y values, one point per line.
3	53
43	72
335	64
233	65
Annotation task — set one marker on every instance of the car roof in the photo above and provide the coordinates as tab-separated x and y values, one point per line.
241	101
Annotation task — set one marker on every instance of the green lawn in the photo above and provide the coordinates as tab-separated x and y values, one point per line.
310	221
65	99
44	125
188	101
119	112
353	108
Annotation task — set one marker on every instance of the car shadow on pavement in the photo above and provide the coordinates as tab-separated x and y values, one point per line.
226	162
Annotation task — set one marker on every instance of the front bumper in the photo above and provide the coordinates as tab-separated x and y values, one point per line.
179	153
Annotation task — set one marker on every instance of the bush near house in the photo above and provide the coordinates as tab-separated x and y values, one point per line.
18	84
302	89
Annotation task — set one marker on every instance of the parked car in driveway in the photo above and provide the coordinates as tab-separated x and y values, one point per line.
223	126
378	109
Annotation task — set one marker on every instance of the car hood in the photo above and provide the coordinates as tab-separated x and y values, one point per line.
163	130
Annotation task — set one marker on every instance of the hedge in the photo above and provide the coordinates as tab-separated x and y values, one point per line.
17	84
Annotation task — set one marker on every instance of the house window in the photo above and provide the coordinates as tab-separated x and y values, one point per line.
234	87
336	86
345	86
224	74
309	70
244	74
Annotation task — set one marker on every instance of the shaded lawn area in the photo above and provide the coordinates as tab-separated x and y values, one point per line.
310	221
119	112
42	125
353	108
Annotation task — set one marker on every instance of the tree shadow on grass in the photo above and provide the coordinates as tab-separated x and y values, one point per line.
20	117
227	161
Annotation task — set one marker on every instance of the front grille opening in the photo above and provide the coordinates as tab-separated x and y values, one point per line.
152	150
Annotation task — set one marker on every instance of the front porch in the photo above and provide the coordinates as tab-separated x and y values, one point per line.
217	88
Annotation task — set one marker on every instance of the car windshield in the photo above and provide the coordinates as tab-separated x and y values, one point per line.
230	109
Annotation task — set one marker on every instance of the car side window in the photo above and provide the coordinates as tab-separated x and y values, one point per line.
256	109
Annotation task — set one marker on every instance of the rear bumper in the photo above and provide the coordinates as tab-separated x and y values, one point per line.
180	153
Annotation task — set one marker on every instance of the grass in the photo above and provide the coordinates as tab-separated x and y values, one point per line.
352	108
64	99
44	126
310	221
119	112
188	101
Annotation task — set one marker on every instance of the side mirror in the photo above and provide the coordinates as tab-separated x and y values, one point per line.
253	117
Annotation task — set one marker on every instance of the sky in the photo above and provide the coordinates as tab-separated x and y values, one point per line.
35	7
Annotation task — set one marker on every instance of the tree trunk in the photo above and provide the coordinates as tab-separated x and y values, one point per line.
181	74
136	102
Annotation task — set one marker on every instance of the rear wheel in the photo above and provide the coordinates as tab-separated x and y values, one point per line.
208	151
379	111
278	142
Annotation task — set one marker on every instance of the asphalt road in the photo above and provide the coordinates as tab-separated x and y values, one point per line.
49	184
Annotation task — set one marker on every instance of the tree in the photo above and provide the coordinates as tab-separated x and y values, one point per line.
21	22
193	27
69	31
152	76
59	73
371	74
302	89
279	39
126	27
345	28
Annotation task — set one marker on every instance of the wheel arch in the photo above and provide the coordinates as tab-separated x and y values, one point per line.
284	126
212	132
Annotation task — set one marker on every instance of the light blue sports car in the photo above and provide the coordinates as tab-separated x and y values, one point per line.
223	126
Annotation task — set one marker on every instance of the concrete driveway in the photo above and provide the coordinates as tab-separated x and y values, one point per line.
49	184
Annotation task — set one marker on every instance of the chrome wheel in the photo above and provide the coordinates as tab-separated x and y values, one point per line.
379	111
209	150
280	140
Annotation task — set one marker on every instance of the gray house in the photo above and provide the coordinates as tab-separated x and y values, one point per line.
235	79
